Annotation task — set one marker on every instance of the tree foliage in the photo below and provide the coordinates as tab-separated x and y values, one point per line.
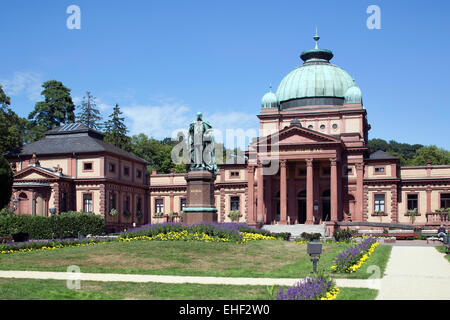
12	127
6	181
57	108
116	130
411	154
89	114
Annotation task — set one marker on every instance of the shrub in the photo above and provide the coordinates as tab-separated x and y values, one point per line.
310	236
66	225
342	234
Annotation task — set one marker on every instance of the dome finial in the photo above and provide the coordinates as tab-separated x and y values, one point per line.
316	38
270	87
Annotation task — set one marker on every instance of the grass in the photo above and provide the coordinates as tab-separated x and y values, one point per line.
267	258
20	289
443	249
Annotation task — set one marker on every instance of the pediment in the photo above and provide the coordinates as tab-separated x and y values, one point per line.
295	135
35	173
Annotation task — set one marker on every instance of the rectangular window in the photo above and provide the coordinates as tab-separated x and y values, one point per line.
379	169
234	174
234	203
159	204
138	173
112	201
126	171
379	203
87	166
302	172
139	205
349	170
445	200
326	171
413	201
126	207
87	202
182	204
112	167
63	207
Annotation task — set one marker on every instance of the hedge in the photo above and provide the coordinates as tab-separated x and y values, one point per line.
66	225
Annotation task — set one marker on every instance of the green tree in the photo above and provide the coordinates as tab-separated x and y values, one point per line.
89	115
12	127
154	151
116	130
433	153
57	108
6	182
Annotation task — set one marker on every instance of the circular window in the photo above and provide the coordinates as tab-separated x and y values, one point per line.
322	127
310	126
335	126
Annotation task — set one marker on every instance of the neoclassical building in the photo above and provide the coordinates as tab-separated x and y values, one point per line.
315	123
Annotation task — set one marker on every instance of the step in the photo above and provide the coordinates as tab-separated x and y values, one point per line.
296	229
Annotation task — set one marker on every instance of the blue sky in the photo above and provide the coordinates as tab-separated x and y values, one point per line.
163	61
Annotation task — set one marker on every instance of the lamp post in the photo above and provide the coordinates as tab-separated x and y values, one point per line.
314	250
53	212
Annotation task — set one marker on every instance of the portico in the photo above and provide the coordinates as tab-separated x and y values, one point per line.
301	183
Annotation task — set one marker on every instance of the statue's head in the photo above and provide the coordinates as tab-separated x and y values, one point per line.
199	116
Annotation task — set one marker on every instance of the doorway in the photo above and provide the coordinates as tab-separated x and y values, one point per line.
326	209
301	207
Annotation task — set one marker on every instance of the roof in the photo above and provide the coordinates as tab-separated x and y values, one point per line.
381	155
71	138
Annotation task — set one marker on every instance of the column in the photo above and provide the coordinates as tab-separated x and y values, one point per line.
309	192
359	192
283	193
251	195
292	195
260	205
333	190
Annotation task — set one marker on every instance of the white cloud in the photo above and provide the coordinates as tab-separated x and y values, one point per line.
166	119
27	83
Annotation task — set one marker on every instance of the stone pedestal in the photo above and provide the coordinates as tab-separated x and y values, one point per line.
200	203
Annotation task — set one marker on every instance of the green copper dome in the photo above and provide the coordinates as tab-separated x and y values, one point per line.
316	82
269	100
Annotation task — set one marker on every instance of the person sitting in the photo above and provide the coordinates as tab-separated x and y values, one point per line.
441	233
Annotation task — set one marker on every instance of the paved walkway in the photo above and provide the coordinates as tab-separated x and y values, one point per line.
355	283
415	273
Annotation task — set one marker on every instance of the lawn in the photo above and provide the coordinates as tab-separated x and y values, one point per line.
443	249
18	289
265	258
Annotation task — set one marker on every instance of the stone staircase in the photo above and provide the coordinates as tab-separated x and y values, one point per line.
296	229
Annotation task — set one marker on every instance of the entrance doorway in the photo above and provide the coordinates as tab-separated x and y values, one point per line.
326	210
301	207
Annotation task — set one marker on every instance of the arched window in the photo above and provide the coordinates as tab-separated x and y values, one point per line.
23	196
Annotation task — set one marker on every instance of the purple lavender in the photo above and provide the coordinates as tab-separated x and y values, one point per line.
308	289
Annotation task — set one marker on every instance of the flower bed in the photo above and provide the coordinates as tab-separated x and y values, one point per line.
41	245
184	235
316	288
352	259
234	232
399	236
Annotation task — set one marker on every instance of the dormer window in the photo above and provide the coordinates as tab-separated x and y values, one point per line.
88	166
379	170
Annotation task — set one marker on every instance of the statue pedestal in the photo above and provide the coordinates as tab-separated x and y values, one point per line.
200	203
